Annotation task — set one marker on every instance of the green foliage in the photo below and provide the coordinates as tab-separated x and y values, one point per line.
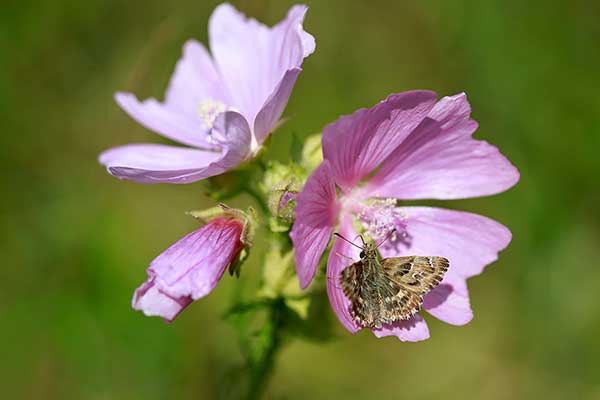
76	241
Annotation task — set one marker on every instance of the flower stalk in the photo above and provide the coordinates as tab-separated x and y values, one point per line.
260	319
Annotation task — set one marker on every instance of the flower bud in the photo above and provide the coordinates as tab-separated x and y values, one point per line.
192	266
282	199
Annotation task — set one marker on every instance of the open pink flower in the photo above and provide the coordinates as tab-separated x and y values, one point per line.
190	268
406	147
224	105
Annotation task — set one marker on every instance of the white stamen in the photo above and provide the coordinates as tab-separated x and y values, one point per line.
208	110
381	217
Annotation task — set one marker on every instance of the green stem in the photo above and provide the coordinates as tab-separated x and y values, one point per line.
262	359
258	198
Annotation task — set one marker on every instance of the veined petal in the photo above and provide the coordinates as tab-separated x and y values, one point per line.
253	58
413	330
341	256
441	160
316	212
154	163
194	80
189	269
469	241
357	144
167	121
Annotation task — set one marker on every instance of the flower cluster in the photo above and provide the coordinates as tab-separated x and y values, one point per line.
224	104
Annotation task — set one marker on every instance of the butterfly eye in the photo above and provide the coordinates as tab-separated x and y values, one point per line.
362	254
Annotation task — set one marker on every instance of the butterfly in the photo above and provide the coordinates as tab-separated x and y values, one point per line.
386	290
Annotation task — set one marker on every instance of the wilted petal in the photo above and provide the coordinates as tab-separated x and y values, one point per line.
253	58
356	144
468	241
316	211
190	268
342	255
170	122
413	330
440	160
154	163
195	80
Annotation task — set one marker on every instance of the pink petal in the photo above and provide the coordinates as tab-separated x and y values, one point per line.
468	241
189	269
154	163
268	116
341	256
316	211
356	144
154	303
195	80
440	160
170	122
253	58
449	302
413	330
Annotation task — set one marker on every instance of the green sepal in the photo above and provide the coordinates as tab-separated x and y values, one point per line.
236	265
279	180
312	155
280	281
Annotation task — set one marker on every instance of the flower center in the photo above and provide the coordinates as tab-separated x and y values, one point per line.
208	110
382	218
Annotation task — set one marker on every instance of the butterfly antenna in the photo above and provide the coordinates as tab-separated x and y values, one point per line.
343	238
389	235
362	240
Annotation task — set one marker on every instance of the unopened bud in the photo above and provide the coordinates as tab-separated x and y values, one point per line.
282	199
249	220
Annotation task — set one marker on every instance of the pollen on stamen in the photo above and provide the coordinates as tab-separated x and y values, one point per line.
381	217
208	110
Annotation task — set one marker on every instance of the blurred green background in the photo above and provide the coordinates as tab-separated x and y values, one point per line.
76	241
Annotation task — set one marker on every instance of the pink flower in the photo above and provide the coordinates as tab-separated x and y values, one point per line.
224	106
190	268
406	147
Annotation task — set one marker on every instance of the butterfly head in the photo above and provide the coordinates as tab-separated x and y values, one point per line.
369	251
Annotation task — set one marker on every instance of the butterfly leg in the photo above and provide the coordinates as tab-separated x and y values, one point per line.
344	256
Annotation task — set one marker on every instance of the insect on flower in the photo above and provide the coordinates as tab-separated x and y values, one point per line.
386	290
407	147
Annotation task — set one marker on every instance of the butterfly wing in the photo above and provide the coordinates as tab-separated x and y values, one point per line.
418	274
350	279
359	289
392	290
411	278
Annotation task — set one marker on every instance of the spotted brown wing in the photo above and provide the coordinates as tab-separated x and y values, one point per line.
382	292
351	281
361	285
418	274
414	277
